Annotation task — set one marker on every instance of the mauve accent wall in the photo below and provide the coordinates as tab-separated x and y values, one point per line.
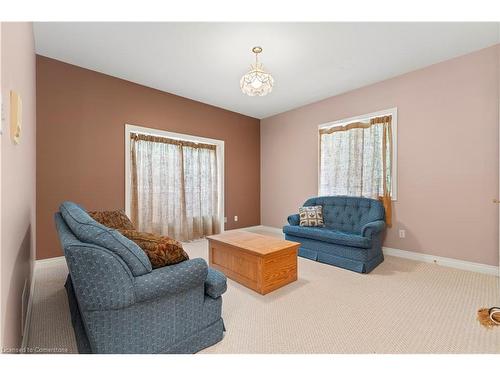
447	155
81	117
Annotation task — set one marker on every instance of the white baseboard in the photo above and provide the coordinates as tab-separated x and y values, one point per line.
42	263
246	228
427	258
442	261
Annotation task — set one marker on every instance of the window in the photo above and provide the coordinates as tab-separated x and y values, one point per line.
358	156
174	183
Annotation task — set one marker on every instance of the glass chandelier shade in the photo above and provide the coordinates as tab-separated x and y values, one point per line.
257	82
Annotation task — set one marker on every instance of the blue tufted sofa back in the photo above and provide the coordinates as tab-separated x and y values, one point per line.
348	214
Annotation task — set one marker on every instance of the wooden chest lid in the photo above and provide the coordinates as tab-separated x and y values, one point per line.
253	242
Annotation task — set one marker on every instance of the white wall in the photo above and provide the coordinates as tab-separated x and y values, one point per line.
18	175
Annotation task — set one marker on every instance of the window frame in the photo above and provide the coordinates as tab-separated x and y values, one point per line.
219	149
394	162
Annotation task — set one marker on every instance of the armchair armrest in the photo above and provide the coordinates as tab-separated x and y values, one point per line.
215	284
372	228
170	280
294	219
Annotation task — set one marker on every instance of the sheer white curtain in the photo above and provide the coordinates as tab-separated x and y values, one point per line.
355	160
174	187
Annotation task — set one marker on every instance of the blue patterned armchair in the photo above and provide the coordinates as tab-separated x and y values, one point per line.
352	235
119	304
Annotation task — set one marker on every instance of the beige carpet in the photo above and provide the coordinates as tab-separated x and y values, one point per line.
403	306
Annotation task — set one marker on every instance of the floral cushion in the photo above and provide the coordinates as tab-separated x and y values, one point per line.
90	231
112	219
311	216
161	250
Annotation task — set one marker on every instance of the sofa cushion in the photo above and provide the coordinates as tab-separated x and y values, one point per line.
328	235
115	219
311	216
161	250
90	231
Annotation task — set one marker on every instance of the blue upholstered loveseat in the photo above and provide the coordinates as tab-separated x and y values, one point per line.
351	237
119	304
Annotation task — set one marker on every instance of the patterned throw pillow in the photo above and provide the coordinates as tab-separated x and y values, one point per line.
112	219
311	216
161	250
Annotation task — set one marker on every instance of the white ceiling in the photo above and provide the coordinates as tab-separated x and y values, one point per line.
309	61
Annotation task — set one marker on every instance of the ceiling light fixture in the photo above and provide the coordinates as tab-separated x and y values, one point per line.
257	82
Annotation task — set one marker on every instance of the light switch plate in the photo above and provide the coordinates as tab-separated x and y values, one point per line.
16	117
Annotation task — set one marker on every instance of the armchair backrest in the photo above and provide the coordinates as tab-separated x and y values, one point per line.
101	279
348	214
89	231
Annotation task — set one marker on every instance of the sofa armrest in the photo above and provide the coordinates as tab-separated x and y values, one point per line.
372	228
215	284
294	219
100	278
171	280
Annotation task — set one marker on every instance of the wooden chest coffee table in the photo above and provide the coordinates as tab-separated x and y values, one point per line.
261	263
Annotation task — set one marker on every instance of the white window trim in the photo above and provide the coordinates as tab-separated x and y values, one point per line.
184	137
390	111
